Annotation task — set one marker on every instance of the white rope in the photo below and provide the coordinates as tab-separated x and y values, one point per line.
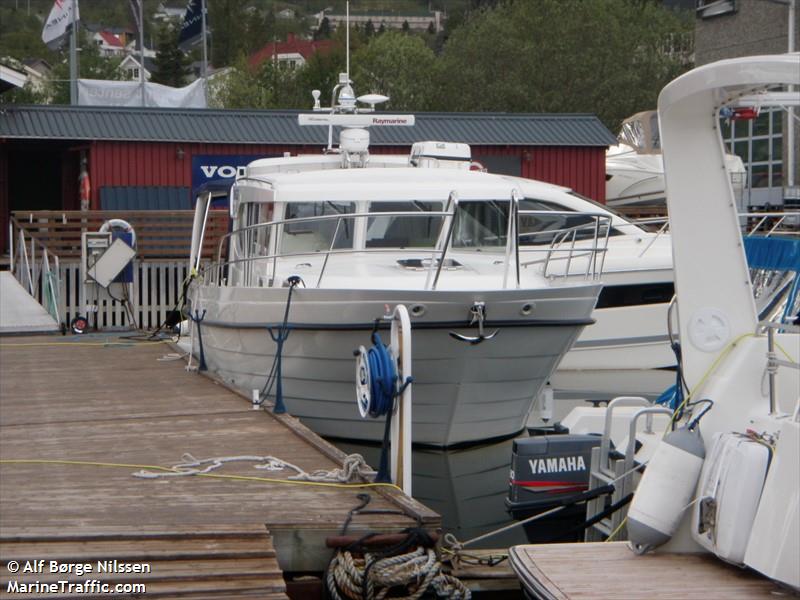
353	466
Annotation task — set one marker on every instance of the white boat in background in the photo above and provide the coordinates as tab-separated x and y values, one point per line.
726	478
635	166
323	247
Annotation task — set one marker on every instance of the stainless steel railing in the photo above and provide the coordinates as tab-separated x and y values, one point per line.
259	244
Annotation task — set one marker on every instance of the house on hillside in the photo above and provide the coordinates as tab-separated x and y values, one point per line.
17	74
390	20
294	52
131	67
125	35
108	44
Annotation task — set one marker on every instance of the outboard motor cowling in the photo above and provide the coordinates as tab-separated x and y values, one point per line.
546	470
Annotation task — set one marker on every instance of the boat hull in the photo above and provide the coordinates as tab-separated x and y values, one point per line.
462	392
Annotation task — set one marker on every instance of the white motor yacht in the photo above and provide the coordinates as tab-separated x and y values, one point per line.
322	249
635	166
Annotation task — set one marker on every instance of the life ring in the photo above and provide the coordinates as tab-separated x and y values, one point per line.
119	224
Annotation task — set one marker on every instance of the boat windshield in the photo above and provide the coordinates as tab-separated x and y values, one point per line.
543	229
316	236
403	231
480	224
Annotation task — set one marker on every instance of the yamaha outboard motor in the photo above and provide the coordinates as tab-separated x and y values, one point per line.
545	471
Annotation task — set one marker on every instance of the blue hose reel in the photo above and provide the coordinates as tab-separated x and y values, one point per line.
376	379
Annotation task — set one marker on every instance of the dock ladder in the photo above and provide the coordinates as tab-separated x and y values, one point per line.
608	469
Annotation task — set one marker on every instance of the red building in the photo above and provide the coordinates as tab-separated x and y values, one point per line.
294	51
153	158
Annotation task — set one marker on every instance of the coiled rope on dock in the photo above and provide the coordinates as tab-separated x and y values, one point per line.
353	467
374	576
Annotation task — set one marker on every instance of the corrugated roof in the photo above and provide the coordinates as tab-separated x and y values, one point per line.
281	127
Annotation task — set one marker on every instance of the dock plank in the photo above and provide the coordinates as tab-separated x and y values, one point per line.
123	405
609	571
184	563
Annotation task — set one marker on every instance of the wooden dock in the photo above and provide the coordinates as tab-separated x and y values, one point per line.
610	571
73	409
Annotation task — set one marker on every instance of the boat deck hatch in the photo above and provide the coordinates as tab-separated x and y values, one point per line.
421	264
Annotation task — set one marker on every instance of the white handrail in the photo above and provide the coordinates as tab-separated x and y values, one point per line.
401	470
562	247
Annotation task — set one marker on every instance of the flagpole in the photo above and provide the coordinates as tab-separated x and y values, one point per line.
141	50
205	51
73	56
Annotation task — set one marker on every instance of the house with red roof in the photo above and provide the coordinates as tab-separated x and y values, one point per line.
109	44
293	52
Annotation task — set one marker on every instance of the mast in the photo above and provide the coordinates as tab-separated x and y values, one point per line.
141	51
205	49
73	56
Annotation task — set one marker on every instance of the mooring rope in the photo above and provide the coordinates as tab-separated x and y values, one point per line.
353	467
374	576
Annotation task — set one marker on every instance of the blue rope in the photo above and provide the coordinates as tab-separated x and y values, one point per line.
383	390
275	375
383	378
198	318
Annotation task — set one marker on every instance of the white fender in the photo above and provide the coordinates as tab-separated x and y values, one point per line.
666	489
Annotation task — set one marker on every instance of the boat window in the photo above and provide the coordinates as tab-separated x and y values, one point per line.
403	231
481	223
541	229
316	236
616	296
599	205
253	242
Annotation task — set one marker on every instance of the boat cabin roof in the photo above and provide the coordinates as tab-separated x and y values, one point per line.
392	184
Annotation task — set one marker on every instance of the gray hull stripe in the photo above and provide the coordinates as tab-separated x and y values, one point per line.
647	339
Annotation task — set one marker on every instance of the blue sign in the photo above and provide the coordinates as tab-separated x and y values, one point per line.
218	171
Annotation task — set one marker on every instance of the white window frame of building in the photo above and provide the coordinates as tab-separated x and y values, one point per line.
759	143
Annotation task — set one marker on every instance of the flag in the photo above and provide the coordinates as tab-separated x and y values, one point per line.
59	22
135	6
192	27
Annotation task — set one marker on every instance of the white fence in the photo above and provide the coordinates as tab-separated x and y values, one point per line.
156	290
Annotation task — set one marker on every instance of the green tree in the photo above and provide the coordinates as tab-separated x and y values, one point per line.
21	35
236	88
321	72
323	32
399	66
259	29
226	22
608	57
172	66
91	65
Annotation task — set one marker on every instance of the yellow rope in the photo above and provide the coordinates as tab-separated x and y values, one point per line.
22	461
99	344
617	530
717	361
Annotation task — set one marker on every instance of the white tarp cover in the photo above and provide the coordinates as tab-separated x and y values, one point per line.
99	92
